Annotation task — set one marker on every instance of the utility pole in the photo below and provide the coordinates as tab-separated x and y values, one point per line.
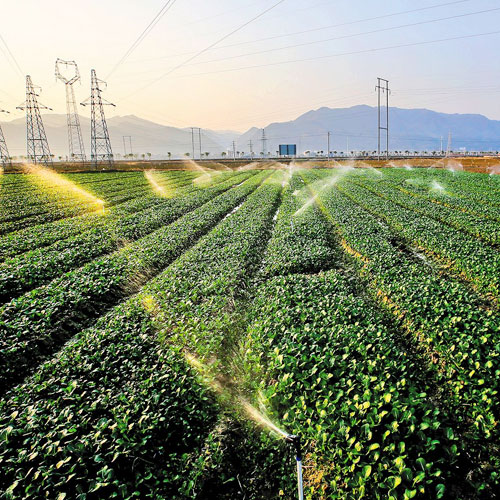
75	140
264	143
127	138
100	145
250	145
37	145
441	147
199	139
234	151
328	146
193	140
448	148
5	160
383	86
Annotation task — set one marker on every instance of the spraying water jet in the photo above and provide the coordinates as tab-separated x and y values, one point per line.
44	177
292	439
229	391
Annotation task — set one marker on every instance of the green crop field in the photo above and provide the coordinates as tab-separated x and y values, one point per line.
158	329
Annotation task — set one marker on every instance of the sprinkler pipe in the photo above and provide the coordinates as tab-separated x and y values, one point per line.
294	440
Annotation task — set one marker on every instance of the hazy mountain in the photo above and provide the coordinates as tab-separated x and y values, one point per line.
147	136
352	129
355	129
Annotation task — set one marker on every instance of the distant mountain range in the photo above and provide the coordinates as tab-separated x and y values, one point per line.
351	129
355	129
146	137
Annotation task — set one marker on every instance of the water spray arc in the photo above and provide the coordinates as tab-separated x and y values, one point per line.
292	439
4	152
37	145
100	145
75	140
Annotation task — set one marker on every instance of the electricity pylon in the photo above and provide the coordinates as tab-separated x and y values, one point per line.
75	141
36	140
100	145
4	152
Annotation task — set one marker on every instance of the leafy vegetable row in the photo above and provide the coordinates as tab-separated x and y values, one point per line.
464	254
335	374
484	229
116	399
443	317
36	267
34	325
302	240
45	234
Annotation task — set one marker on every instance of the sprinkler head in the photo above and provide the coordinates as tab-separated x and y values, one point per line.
294	440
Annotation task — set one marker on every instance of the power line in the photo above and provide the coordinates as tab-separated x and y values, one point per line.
166	7
12	58
355	52
265	11
320	28
381	30
346	23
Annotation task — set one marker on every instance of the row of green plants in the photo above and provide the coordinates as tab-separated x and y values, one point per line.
479	188
474	260
43	194
46	194
332	371
48	201
302	239
445	319
119	413
438	194
485	229
24	182
40	265
41	235
30	216
34	325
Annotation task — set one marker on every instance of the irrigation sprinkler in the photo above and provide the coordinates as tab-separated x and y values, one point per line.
294	440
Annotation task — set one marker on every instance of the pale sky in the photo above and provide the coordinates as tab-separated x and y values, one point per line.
244	81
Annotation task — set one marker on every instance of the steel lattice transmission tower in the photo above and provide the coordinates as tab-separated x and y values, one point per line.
4	152
37	144
100	145
75	141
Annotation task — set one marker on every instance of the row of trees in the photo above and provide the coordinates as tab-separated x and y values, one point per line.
308	154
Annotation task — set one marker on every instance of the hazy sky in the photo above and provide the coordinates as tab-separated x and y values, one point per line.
265	72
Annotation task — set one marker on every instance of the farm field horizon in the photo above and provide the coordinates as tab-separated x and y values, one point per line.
161	331
476	164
